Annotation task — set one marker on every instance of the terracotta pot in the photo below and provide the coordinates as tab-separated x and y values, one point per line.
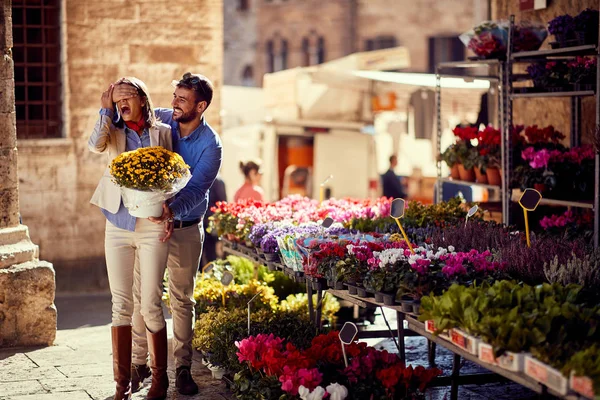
540	187
479	176
494	176
454	173
466	175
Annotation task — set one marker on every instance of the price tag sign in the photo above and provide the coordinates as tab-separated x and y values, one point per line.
347	335
529	201
227	278
327	222
472	211
397	211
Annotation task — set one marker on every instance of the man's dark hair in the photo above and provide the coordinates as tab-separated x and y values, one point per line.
392	158
200	84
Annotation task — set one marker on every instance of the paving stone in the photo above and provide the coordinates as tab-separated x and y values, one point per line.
10	360
85	370
77	395
70	357
21	388
17	374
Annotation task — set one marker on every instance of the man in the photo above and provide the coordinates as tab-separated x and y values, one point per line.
391	183
201	148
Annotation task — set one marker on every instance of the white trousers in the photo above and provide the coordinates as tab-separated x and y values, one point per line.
185	252
122	247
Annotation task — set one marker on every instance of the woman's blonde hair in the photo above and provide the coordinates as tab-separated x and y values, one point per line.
147	106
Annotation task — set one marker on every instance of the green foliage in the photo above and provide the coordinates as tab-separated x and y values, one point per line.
299	303
216	332
586	363
284	286
447	212
209	293
584	271
242	269
248	385
450	156
549	320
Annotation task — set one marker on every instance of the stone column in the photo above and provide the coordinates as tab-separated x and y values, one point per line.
27	312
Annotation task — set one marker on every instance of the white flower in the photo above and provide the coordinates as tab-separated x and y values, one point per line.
451	249
316	394
337	391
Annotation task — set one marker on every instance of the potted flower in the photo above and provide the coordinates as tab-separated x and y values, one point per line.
450	157
147	177
467	156
582	73
488	148
563	29
586	26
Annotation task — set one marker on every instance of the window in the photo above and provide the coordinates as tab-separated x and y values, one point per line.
284	54
36	54
243	5
380	42
270	57
444	49
321	50
313	50
248	76
305	52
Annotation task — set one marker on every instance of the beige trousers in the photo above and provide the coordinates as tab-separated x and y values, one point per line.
185	251
122	248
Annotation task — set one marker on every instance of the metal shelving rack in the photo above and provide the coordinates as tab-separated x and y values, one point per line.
496	77
504	78
509	95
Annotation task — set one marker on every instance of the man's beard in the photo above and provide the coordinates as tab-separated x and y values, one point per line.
186	117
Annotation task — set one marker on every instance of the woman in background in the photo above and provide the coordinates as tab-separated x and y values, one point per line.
251	188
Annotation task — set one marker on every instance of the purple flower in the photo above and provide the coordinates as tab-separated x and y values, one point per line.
561	25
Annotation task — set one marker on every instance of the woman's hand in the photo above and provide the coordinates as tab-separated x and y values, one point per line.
123	91
106	99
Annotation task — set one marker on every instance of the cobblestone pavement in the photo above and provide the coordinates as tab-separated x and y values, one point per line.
79	365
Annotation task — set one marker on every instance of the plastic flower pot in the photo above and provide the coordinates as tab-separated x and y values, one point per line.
271	266
416	307
361	292
467	175
273	257
389	299
479	176
379	297
407	305
352	290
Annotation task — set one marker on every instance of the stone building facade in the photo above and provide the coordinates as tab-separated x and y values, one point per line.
239	42
99	42
294	33
556	111
27	285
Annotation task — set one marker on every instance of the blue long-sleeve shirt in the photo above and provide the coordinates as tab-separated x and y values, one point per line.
202	150
122	219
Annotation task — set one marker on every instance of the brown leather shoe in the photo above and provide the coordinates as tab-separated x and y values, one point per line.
184	382
138	374
121	348
157	344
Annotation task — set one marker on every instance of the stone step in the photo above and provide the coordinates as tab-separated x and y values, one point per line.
13	234
17	253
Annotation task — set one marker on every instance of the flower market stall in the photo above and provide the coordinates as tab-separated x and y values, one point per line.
529	156
474	287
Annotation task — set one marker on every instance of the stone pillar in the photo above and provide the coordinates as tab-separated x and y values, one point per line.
27	312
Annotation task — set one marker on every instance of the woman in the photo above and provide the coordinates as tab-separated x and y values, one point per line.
127	237
251	188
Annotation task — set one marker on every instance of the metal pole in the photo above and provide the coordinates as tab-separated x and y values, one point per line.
507	174
575	121
455	376
438	101
400	323
597	158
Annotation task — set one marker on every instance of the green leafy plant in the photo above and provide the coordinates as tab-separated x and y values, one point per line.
450	156
586	363
299	303
217	330
252	385
243	270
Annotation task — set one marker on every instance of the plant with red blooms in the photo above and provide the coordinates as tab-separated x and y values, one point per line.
536	135
489	148
466	133
582	70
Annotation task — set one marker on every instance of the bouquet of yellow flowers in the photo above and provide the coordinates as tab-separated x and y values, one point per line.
147	177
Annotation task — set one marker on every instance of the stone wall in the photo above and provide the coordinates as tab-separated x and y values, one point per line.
413	22
294	20
556	111
239	41
347	24
154	40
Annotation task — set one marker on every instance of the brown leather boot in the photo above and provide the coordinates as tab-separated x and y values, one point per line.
121	348
157	344
138	374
